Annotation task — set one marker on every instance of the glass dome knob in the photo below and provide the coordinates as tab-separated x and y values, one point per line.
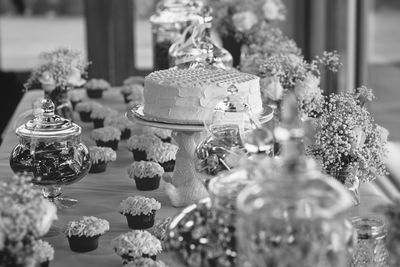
47	107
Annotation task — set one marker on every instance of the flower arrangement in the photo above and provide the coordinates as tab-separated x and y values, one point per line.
43	251
102	154
22	202
62	67
138	205
348	143
87	226
136	244
145	169
242	18
283	72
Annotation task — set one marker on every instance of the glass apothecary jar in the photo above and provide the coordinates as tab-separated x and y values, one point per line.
297	215
224	190
50	150
168	23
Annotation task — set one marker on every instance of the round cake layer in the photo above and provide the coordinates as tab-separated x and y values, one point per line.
192	94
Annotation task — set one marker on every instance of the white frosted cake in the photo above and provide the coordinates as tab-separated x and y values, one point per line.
190	95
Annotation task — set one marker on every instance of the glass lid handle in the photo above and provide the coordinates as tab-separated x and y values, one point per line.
47	107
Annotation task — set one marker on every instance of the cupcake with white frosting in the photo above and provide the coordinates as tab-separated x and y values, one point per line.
83	234
134	80
99	113
136	244
139	211
133	93
95	87
164	154
107	137
100	157
85	109
120	122
43	252
75	96
140	144
147	174
164	134
145	262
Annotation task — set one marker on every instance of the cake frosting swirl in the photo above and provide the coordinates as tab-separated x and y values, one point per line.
190	95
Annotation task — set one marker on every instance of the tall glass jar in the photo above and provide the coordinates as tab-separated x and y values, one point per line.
296	216
370	250
190	47
168	23
224	190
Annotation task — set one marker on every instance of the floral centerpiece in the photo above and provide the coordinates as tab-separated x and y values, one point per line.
284	72
59	71
22	202
349	145
237	20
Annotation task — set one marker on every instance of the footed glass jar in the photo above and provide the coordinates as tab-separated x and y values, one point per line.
50	150
296	216
168	23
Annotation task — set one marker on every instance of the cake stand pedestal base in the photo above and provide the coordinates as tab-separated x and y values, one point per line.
187	185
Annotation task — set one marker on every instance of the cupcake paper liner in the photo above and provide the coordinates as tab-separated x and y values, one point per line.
147	183
83	243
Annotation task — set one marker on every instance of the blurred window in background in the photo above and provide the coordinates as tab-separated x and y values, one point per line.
29	27
383	63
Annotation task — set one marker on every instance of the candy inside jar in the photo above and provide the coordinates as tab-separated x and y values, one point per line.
50	150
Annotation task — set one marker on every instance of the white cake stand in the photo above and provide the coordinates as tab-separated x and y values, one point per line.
186	185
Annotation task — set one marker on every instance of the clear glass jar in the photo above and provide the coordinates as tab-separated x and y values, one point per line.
168	23
50	150
370	250
296	215
196	46
224	190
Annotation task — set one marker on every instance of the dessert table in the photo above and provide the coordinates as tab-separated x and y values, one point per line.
100	194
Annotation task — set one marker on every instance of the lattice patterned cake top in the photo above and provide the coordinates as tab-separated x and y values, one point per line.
199	77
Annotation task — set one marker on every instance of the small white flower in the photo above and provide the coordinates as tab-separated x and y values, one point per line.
359	138
307	88
271	87
244	21
271	10
75	78
46	220
47	81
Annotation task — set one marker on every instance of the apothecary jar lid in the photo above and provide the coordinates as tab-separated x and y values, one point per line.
175	11
47	124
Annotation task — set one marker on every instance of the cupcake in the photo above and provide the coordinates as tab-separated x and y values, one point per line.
120	122
75	96
134	80
165	154
147	174
95	87
43	252
139	144
139	211
99	113
107	136
83	234
133	92
145	262
163	134
136	244
85	109
99	157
